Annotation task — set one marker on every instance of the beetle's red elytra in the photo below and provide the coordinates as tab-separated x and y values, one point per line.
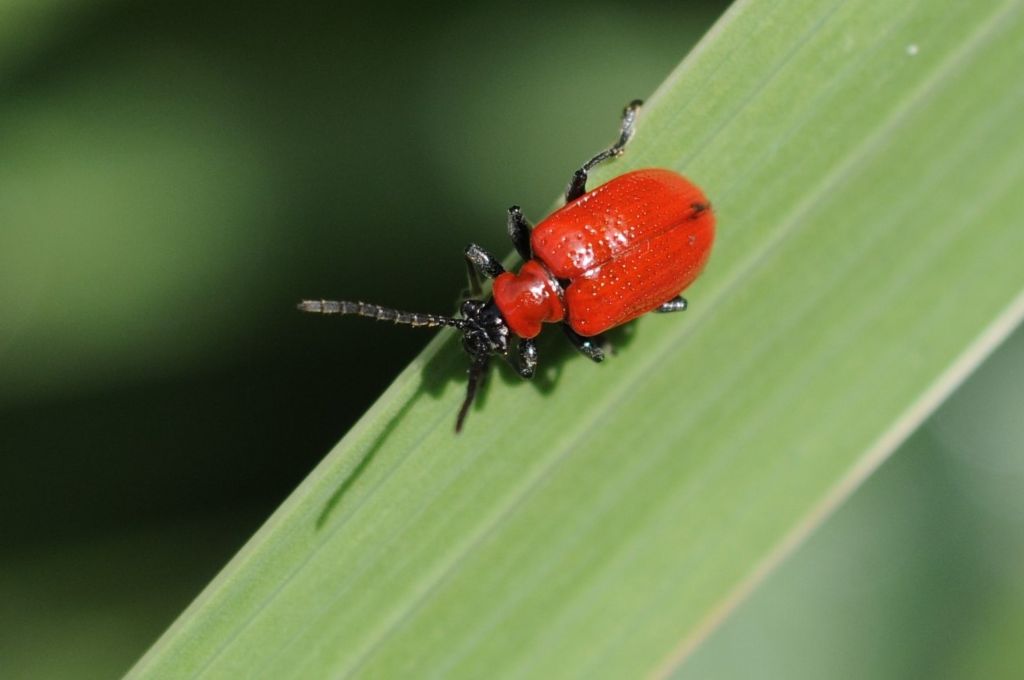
624	249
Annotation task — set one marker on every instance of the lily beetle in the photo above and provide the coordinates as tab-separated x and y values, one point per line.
624	249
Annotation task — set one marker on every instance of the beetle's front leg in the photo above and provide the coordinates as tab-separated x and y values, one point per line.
527	358
526	363
479	263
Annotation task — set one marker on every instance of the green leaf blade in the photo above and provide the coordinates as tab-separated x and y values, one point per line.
864	164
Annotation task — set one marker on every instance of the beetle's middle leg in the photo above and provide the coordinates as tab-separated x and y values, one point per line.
590	347
519	231
578	184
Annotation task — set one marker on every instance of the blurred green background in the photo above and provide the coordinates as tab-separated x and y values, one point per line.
174	176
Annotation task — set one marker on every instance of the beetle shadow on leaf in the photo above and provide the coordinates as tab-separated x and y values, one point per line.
339	494
554	351
446	365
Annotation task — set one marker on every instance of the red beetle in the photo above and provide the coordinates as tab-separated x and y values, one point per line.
626	248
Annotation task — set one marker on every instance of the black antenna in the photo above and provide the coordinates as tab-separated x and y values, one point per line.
379	313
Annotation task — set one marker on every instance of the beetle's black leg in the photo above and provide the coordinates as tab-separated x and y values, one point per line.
578	185
475	290
591	346
477	371
480	262
483	261
676	304
519	232
526	365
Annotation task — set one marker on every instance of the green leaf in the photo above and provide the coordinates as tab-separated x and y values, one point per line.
865	162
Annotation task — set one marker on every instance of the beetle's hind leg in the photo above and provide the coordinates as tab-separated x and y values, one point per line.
578	184
676	304
591	347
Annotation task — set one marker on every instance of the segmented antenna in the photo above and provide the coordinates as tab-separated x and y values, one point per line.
379	313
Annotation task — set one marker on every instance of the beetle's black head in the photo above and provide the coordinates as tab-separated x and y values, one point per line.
484	331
